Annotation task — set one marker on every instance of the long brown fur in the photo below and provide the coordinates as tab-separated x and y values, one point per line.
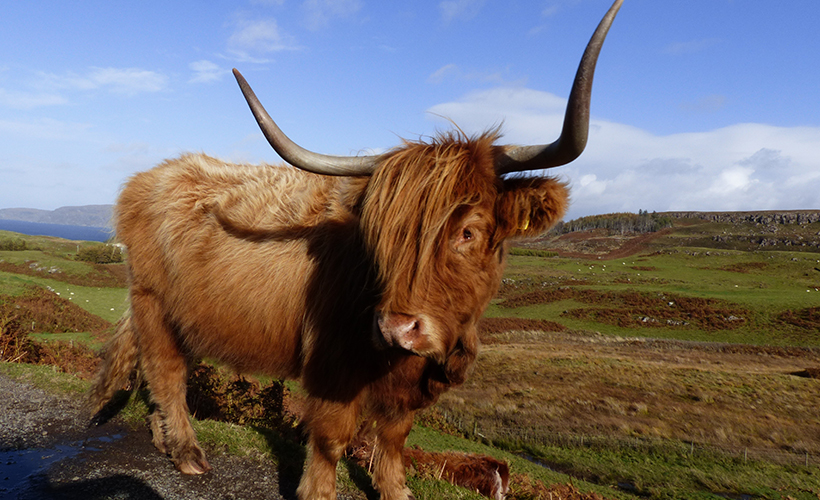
368	290
480	473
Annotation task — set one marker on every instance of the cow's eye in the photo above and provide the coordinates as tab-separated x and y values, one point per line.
467	234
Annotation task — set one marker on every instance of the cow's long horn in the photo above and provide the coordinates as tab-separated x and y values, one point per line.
297	155
573	138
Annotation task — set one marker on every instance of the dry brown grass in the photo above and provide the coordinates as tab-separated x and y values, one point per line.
631	309
227	397
489	326
745	267
39	310
522	487
539	387
103	275
807	319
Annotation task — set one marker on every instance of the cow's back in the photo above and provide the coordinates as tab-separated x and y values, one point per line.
225	250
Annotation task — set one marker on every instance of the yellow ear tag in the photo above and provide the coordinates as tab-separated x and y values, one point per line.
526	224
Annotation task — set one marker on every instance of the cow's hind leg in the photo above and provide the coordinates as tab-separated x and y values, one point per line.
165	368
388	464
331	426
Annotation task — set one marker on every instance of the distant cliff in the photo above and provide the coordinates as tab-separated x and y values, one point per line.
758	217
88	215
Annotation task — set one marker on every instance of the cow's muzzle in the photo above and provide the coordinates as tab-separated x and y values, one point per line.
402	330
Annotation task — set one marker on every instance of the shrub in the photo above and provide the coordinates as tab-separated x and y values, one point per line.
532	252
237	400
17	347
13	244
100	254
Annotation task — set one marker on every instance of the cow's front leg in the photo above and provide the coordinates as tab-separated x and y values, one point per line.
388	473
165	368
331	426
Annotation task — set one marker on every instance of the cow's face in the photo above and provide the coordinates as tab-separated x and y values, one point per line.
435	218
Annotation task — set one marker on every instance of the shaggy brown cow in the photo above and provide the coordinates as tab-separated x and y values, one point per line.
365	284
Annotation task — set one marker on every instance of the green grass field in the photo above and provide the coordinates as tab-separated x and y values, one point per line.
601	403
765	284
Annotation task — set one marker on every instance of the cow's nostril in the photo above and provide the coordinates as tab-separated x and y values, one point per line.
400	330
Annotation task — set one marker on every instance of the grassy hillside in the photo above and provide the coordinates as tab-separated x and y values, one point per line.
679	363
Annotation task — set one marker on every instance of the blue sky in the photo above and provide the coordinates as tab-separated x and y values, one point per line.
697	105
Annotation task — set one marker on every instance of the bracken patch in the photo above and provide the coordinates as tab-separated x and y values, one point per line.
215	395
808	319
745	267
524	488
39	310
103	275
489	326
630	309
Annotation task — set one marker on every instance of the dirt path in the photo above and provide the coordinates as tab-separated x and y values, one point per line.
630	247
47	452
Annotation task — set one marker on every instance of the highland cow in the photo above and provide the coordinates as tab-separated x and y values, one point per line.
363	277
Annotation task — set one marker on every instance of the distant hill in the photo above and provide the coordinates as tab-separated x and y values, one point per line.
619	235
87	215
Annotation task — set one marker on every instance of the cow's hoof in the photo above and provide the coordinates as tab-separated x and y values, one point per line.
191	461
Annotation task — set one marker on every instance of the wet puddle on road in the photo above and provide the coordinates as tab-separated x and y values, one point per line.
17	466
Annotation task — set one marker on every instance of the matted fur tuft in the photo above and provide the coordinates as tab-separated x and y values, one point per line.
120	357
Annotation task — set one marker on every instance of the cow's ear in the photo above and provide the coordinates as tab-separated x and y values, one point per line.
528	206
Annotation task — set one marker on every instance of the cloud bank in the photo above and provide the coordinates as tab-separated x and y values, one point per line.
747	166
126	81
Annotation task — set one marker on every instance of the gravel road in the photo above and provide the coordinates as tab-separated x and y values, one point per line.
48	452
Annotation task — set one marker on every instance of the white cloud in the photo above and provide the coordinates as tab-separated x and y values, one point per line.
732	180
47	129
442	73
206	71
550	10
27	100
459	9
128	81
455	72
739	167
553	7
318	13
260	37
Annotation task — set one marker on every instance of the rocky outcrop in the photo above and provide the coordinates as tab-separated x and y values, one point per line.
763	217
